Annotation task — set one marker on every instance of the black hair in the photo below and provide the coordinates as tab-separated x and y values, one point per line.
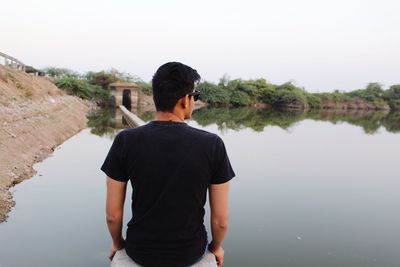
172	81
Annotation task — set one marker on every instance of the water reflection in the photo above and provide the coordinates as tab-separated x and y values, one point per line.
258	119
102	122
107	122
318	195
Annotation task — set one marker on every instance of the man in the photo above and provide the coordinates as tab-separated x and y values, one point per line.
170	166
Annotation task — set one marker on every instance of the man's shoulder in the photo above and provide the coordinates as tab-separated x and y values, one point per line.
202	133
129	132
135	130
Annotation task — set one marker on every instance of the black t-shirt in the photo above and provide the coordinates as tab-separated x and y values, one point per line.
170	166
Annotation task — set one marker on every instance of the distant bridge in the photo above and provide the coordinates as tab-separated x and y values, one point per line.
12	62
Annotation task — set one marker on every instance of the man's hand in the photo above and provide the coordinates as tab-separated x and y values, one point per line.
114	250
218	253
218	195
114	213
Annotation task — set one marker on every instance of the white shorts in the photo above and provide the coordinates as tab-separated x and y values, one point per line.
121	259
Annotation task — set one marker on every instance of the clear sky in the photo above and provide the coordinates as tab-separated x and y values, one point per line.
320	45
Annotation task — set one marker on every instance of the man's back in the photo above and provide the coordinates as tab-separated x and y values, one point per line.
170	166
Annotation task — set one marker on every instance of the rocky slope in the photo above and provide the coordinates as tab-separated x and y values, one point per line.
35	117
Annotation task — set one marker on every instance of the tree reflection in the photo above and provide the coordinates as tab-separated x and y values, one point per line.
258	119
110	121
102	122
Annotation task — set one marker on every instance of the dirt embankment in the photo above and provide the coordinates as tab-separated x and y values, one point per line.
35	117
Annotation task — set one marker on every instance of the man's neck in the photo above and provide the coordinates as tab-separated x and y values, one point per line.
169	116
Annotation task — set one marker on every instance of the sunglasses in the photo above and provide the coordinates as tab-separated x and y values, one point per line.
195	94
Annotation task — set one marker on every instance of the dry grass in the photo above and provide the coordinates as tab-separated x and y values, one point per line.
17	86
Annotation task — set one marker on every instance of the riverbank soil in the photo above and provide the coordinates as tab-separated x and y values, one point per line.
35	117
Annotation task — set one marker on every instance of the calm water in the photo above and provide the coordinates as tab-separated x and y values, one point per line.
312	189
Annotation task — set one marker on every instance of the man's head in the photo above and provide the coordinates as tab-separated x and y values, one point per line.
172	83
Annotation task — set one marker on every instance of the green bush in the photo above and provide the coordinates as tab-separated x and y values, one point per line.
373	92
247	87
392	97
239	98
313	101
286	95
380	103
213	94
101	78
82	88
105	77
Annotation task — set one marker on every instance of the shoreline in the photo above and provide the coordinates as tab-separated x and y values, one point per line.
35	117
30	134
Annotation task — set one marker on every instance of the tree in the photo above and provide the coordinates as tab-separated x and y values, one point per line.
223	82
374	90
101	78
105	78
392	96
59	72
213	94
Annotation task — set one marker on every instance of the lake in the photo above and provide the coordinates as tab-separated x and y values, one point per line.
311	189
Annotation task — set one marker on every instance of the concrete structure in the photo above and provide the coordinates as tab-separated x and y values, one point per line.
12	62
132	120
124	93
121	259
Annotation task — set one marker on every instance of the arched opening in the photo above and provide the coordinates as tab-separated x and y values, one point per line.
126	99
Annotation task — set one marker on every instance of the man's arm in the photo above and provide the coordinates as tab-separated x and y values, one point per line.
218	194
114	213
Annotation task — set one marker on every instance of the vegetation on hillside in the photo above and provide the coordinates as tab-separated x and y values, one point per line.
82	88
237	92
92	85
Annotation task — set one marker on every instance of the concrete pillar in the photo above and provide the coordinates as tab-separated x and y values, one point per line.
118	96
134	98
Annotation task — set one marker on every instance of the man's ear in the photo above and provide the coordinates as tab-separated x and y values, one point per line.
184	101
